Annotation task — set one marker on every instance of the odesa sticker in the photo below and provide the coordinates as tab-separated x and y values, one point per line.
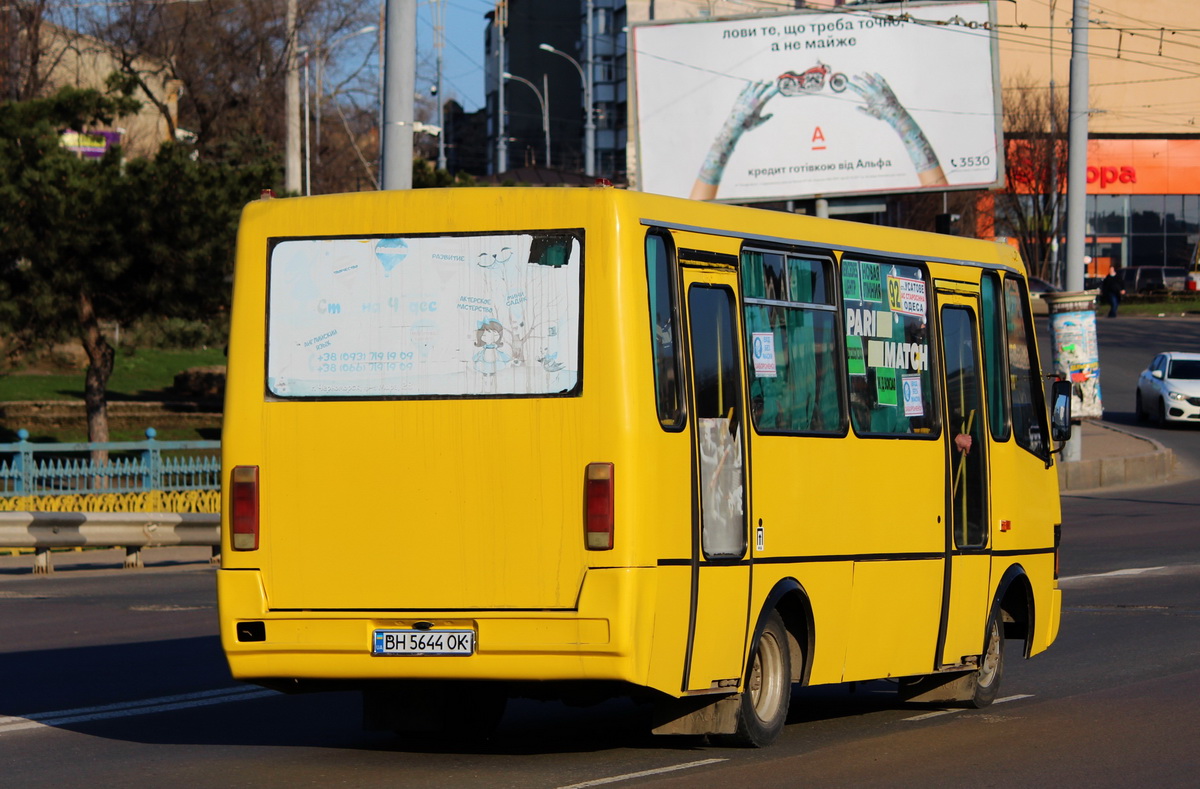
906	295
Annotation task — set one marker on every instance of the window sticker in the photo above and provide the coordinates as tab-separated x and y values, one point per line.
872	287
885	386
902	355
764	354
424	316
883	324
850	281
856	363
910	387
906	296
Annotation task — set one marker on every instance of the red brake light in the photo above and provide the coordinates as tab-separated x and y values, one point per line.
243	508
598	495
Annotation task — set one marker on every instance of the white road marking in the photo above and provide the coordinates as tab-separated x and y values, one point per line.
1113	574
630	776
126	709
939	713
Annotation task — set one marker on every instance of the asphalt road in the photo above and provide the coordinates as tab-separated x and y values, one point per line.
114	678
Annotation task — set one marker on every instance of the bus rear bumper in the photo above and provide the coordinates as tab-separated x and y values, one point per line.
595	641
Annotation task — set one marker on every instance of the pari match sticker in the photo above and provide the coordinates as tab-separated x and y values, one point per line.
906	295
763	346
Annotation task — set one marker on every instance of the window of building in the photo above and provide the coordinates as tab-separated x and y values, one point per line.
604	69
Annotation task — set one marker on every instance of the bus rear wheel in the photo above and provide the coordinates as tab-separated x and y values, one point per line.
763	704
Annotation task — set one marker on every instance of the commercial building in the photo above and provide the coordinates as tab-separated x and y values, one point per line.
1143	205
1143	172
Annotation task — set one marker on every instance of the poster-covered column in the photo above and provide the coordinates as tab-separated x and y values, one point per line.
1076	357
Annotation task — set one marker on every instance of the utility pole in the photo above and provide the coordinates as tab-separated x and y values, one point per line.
1072	313
439	42
1056	201
399	87
589	126
501	129
1077	136
291	105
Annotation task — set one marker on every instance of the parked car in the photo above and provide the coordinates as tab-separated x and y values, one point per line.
1038	286
1149	279
1169	389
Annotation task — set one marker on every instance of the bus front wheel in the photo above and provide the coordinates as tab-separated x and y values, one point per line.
763	704
991	666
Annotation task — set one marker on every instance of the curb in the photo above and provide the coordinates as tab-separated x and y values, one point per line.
1148	468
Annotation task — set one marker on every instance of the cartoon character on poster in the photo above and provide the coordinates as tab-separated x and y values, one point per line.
489	337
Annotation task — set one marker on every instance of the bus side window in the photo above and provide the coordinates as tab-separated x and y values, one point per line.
1025	391
664	331
792	343
887	349
993	356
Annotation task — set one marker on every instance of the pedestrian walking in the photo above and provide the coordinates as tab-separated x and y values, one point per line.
1112	288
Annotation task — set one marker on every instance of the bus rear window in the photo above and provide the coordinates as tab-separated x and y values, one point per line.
425	316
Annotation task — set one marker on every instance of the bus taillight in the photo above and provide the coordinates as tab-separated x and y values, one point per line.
243	510
598	495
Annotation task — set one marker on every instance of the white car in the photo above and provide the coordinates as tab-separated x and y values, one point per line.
1169	389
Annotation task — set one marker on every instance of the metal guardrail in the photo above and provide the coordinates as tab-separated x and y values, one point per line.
108	467
132	531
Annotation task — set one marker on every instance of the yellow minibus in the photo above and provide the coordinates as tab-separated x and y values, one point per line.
497	442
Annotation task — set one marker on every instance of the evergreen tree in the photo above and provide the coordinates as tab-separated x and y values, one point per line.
89	241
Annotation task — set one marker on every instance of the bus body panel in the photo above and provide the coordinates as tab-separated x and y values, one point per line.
425	507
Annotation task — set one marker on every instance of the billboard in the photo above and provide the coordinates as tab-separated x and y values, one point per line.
890	99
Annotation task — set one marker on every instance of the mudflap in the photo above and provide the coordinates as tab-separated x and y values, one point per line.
697	715
945	688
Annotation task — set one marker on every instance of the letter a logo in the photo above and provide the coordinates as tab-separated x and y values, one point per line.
818	139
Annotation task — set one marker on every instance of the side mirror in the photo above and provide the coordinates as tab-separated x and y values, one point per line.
1060	411
1156	374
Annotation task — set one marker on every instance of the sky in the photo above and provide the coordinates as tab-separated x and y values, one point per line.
462	57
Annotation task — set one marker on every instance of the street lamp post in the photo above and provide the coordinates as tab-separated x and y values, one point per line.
322	53
589	126
543	102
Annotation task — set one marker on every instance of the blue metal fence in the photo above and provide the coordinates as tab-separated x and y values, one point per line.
32	469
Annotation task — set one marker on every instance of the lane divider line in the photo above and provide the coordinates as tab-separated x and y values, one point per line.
953	710
128	709
1112	574
642	774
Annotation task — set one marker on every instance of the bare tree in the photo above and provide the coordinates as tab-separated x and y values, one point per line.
230	59
1030	206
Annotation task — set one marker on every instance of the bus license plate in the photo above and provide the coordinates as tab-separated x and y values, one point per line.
423	642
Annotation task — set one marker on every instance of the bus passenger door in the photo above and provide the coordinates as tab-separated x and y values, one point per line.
720	574
968	564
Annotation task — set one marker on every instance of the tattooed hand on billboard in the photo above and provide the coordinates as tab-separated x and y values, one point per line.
745	115
882	103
